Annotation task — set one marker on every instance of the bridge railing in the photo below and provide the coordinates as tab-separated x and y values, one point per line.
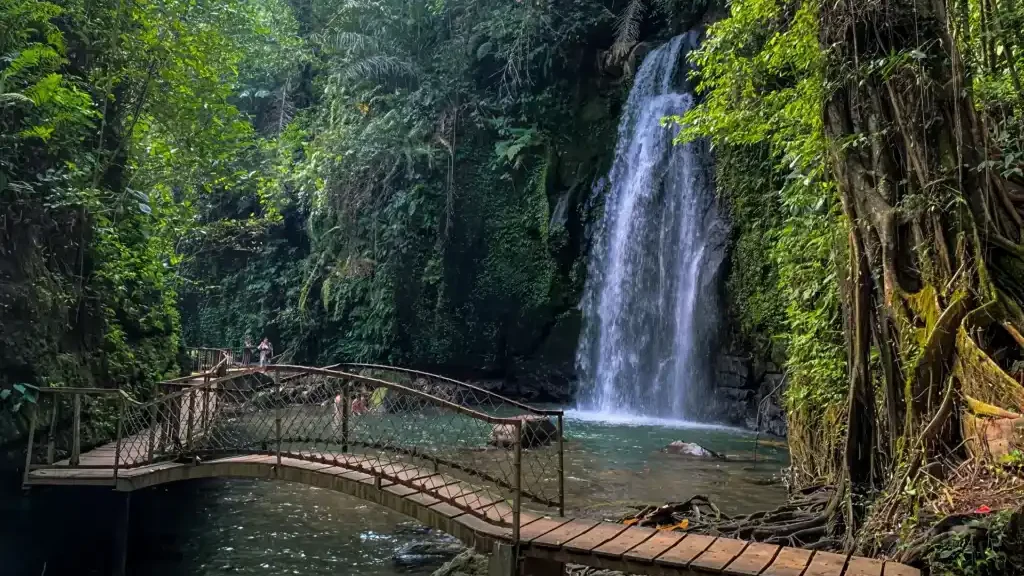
542	434
420	428
203	359
397	432
66	419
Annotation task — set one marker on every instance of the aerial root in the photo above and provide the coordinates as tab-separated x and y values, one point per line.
802	521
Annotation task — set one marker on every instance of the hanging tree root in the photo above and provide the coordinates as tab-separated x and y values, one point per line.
801	522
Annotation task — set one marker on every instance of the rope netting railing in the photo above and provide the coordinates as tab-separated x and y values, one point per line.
542	429
462	444
428	433
64	420
204	359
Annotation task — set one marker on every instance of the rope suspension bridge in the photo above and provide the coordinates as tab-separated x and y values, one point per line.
452	455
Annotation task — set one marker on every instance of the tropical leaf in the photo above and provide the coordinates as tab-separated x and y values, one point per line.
12	98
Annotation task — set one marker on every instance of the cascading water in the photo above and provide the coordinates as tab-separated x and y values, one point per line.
650	307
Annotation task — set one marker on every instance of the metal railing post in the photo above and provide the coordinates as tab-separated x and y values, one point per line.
277	426
188	425
517	495
344	415
51	444
204	420
120	429
152	432
76	423
31	439
561	467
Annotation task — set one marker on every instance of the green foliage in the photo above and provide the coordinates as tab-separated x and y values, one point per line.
14	398
986	547
761	72
424	245
121	125
752	286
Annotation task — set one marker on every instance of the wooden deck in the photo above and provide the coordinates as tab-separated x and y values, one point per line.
430	497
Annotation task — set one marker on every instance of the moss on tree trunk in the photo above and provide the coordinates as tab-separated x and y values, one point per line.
934	236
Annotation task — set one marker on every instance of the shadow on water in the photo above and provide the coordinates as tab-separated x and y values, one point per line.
46	531
206	527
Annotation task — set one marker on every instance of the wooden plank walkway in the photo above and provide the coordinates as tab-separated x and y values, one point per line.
471	514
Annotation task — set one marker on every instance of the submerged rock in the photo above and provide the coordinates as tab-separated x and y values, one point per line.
692	450
428	552
415	528
536	431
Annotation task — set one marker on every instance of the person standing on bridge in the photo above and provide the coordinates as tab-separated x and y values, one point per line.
266	350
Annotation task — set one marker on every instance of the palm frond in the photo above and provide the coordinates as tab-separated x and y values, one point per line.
627	27
380	68
356	43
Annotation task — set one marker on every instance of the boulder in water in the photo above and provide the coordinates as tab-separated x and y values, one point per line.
428	552
469	563
536	431
692	450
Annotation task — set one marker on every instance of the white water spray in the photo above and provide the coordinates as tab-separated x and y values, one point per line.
650	307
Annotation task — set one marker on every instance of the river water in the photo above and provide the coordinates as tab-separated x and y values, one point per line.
221	527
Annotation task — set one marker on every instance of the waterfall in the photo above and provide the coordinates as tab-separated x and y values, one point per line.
650	304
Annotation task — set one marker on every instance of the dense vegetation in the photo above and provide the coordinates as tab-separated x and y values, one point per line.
411	182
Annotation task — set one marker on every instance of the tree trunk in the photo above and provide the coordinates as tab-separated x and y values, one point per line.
936	269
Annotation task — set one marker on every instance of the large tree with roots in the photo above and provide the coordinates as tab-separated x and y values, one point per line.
936	260
896	189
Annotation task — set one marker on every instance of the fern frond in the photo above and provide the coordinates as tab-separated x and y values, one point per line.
10	98
627	27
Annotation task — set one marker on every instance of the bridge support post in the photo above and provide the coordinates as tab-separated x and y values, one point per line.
503	561
119	561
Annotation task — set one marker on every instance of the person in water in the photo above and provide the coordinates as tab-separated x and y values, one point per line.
358	405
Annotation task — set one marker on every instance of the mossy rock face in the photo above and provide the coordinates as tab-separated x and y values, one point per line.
595	109
482	281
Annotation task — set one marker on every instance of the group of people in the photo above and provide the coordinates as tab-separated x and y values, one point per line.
360	404
266	350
